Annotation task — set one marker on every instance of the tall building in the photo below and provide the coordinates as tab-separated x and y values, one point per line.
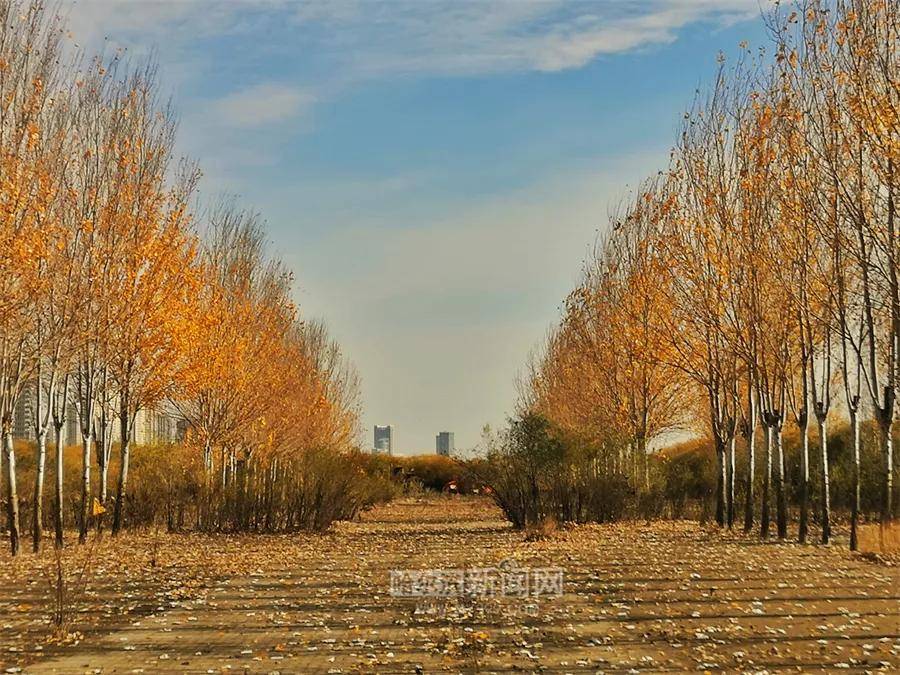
155	426
72	430
23	415
443	443
384	439
160	425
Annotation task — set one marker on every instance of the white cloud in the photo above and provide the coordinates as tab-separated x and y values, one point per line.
354	40
338	44
142	22
263	104
476	37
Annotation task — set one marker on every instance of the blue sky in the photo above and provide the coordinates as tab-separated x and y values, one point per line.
433	171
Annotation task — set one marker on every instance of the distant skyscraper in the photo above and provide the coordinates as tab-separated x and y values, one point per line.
384	439
443	443
23	415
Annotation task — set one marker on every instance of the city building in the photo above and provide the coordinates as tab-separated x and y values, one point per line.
443	443
23	415
384	439
151	426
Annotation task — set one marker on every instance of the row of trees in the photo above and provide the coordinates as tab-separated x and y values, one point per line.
753	283
112	301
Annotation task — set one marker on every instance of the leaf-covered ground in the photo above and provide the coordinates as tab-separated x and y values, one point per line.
657	597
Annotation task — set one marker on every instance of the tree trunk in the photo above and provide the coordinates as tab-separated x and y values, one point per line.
751	479
721	480
40	460
887	445
58	504
86	439
2	475
781	504
12	495
826	480
635	472
37	529
804	478
642	463
103	446
125	444
203	505
730	476
646	470
854	506
765	515
104	450
2	479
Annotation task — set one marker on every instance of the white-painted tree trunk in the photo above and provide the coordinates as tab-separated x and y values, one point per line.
781	503
854	507
721	482
43	405
887	445
751	479
58	501
12	494
86	441
826	480
125	449
60	401
37	530
803	428
104	450
766	512
731	478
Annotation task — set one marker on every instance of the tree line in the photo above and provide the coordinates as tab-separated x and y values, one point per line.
752	284
119	293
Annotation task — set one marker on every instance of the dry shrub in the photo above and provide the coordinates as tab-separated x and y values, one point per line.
433	471
309	491
542	531
688	475
66	579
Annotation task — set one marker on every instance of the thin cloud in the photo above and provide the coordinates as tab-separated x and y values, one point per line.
476	37
264	104
353	40
339	44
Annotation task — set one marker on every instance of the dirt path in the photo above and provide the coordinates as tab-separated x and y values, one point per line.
667	596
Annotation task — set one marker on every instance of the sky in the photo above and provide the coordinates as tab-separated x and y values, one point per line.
433	172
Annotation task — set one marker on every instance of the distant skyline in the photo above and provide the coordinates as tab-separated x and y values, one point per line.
432	172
